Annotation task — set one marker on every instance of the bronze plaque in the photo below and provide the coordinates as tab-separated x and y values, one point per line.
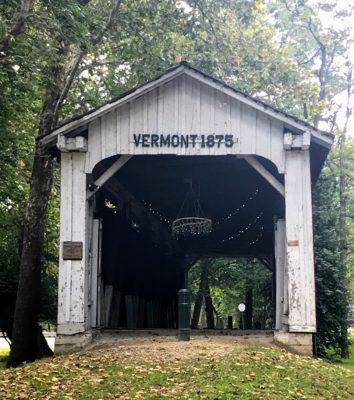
72	250
293	243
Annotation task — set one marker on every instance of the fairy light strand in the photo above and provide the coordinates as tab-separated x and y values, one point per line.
238	209
243	230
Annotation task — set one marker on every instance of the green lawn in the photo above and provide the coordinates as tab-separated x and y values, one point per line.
349	363
184	371
3	355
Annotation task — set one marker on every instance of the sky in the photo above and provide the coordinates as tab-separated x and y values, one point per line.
330	22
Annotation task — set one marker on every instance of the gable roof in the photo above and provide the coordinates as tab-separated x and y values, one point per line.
80	123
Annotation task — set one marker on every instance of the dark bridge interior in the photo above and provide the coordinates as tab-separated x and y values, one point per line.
142	262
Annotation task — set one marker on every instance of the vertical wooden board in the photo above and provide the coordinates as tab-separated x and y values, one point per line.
115	310
221	113
235	125
102	305
149	314
248	129
131	303
79	199
79	226
88	268
94	273
141	313
126	142
160	108
277	152
207	113
195	128
302	313
221	119
189	100
205	106
229	150
308	253
66	192
66	195
109	133
182	104
263	132
108	294
99	278
176	111
152	112
168	108
94	143
131	129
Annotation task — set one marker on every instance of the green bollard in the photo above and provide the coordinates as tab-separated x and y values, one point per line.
184	315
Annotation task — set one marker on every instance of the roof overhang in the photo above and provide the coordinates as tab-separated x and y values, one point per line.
291	123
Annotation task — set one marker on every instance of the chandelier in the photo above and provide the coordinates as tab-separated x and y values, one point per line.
190	220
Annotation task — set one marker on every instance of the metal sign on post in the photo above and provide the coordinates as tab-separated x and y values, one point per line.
241	307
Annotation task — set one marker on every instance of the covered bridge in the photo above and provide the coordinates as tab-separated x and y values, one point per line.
124	168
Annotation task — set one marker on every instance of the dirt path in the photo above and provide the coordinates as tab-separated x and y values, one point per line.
170	348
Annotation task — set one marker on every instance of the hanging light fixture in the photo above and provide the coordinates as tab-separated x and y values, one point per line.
190	220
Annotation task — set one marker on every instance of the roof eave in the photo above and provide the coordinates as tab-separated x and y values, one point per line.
80	124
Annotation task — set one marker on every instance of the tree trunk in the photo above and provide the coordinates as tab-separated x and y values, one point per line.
249	309
26	344
209	307
18	26
199	298
25	328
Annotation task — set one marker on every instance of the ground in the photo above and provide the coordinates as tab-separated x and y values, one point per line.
215	367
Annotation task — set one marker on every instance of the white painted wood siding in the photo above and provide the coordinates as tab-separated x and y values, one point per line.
299	236
73	288
186	106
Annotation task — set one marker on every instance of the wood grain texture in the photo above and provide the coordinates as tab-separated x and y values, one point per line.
180	107
300	259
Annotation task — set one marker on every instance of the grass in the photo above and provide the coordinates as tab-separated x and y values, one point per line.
3	357
246	372
349	362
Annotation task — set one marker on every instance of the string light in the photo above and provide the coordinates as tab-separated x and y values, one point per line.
259	236
156	213
238	209
243	230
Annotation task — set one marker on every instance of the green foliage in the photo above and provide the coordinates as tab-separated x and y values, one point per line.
332	295
229	281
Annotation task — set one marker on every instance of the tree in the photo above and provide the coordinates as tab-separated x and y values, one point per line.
61	70
17	27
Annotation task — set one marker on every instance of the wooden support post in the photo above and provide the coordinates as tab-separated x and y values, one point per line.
95	273
73	285
299	236
280	260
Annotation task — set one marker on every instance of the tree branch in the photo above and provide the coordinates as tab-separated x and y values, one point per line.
70	71
18	26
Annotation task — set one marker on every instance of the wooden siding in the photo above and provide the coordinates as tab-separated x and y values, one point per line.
299	236
185	106
72	287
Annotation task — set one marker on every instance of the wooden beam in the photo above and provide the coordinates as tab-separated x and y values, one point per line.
265	173
115	167
158	229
